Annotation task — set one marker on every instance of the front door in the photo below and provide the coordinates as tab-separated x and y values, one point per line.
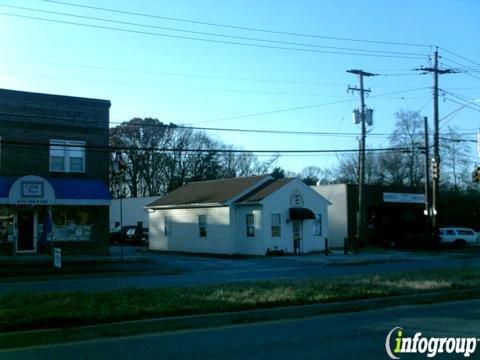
297	236
25	223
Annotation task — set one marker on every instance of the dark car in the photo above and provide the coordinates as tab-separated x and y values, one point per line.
129	235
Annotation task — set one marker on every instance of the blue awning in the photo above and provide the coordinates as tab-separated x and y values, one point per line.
80	189
5	185
54	191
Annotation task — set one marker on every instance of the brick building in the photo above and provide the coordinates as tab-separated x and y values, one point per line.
54	165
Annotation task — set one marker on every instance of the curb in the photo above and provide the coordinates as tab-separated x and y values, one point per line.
128	328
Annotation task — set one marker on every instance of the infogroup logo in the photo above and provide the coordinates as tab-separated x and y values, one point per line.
397	344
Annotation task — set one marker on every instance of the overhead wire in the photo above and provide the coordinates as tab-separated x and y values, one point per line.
270	31
114	148
203	39
77	16
178	87
299	107
460	56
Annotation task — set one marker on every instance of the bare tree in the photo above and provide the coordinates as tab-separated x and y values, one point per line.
409	134
312	175
454	159
161	157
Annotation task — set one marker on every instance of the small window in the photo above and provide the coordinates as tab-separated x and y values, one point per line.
450	232
202	225
250	222
317	227
276	222
67	156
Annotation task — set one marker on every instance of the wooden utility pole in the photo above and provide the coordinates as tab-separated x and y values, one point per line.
427	212
361	218
436	146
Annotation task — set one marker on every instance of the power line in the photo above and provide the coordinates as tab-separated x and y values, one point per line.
300	107
181	127
461	97
200	76
227	90
234	26
209	33
189	75
463	65
460	56
113	148
463	105
242	116
201	39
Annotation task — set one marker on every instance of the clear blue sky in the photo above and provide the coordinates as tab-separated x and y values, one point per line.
193	82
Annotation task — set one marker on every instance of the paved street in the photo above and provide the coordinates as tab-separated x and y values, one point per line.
344	336
177	270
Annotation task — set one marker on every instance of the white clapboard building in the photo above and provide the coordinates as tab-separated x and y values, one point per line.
250	215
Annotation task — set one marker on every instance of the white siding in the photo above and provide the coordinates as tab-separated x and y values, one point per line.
245	244
132	210
279	203
337	212
184	234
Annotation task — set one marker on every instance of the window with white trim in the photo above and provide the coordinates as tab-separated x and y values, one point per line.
317	226
276	225
67	156
250	223
202	225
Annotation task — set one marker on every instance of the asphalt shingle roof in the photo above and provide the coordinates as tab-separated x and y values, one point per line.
264	190
207	192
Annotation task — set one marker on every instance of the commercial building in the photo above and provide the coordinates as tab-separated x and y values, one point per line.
252	215
54	170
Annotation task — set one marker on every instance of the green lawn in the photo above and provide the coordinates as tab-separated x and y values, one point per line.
34	311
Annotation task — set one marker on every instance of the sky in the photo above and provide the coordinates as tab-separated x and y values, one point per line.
168	63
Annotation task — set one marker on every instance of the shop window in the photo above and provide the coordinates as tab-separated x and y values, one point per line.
317	226
6	224
250	223
70	223
202	225
67	156
276	225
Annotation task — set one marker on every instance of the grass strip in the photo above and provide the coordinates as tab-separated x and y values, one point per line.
67	309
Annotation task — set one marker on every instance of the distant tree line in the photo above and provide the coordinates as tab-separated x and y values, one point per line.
151	170
403	168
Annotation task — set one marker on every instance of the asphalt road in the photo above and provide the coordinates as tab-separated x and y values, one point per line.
342	336
190	270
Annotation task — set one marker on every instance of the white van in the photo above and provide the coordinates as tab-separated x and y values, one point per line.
458	236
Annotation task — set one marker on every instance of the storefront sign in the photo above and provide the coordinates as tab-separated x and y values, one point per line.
32	189
404	198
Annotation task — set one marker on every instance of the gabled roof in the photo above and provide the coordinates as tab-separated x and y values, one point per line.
264	190
210	192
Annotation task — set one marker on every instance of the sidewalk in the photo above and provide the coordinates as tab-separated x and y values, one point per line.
42	265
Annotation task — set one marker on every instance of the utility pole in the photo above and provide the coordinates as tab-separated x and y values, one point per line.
361	158
436	147
427	211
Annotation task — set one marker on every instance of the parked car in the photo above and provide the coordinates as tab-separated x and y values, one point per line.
130	235
457	236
